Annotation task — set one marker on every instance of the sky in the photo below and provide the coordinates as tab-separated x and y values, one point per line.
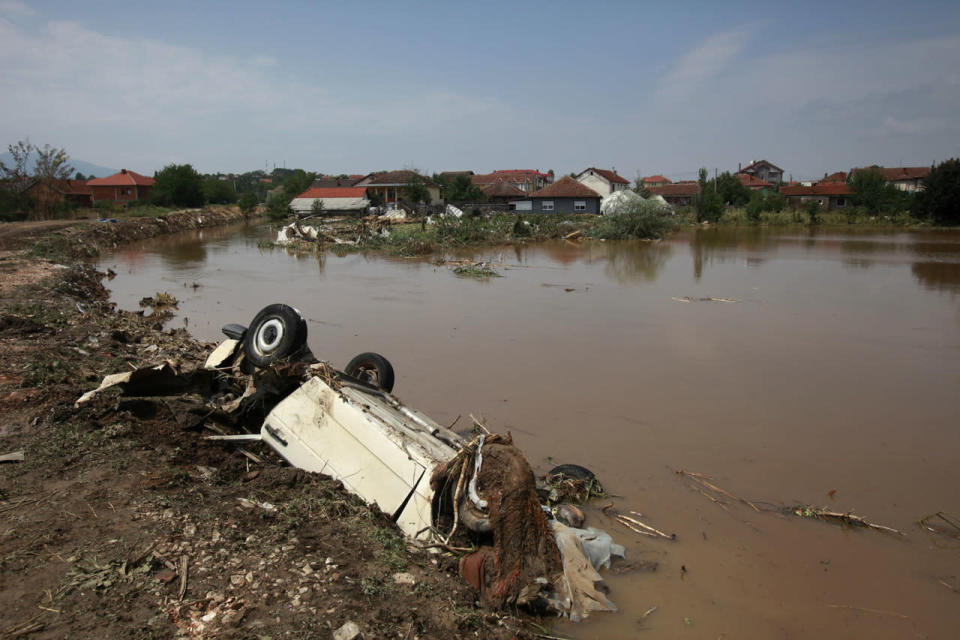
644	88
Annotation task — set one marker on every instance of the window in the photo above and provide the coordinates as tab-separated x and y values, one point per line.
841	202
546	205
579	205
125	191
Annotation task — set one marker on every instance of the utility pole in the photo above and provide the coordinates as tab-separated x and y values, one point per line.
714	180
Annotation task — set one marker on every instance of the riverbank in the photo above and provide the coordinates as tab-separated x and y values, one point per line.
121	521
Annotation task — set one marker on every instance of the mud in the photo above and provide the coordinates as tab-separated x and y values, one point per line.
123	522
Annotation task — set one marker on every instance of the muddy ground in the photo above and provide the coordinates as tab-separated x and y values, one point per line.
122	521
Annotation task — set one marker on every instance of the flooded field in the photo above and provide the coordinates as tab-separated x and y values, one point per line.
829	378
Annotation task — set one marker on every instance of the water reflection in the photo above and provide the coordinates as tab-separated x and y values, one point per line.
938	276
631	261
723	245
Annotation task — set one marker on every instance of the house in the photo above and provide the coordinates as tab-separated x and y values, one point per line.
48	193
527	180
602	181
333	200
764	170
680	194
502	192
123	187
654	181
753	183
909	179
829	195
566	195
388	186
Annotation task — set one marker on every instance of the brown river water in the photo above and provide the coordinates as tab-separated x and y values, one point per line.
831	379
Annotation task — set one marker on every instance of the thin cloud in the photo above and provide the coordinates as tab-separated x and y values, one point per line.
14	8
695	68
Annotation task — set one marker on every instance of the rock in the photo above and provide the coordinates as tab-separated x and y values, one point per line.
237	579
404	578
349	631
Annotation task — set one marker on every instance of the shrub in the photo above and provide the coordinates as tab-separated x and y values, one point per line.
644	219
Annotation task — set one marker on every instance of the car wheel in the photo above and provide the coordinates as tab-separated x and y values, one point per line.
373	369
276	332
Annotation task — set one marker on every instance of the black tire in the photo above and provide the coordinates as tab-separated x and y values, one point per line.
572	471
277	332
373	369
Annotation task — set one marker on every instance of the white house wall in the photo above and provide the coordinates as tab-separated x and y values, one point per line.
597	183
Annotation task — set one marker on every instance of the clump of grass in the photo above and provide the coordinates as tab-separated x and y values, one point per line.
479	270
164	299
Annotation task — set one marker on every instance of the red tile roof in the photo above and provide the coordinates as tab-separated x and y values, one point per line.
565	187
502	189
751	182
822	189
891	174
756	164
525	172
657	178
123	179
611	176
839	176
334	192
677	189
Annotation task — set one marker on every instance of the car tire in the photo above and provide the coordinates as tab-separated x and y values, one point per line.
373	369
277	331
573	471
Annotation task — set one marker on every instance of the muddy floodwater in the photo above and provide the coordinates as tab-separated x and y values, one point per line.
829	376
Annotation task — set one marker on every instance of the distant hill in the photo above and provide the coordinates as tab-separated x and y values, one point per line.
86	168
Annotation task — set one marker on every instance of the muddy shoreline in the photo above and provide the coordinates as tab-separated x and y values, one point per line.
122	521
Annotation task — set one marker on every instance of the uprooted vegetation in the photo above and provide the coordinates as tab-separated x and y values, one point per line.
423	237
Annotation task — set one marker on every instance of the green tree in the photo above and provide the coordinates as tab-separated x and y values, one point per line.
217	191
248	202
79	176
462	189
296	182
316	208
871	191
939	201
731	191
16	175
639	187
708	203
812	207
177	185
415	190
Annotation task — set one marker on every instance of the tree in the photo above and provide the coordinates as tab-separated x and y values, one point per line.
415	191
248	202
462	189
16	176
871	191
79	176
708	203
296	182
639	187
939	201
731	191
52	164
316	208
178	185
217	191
